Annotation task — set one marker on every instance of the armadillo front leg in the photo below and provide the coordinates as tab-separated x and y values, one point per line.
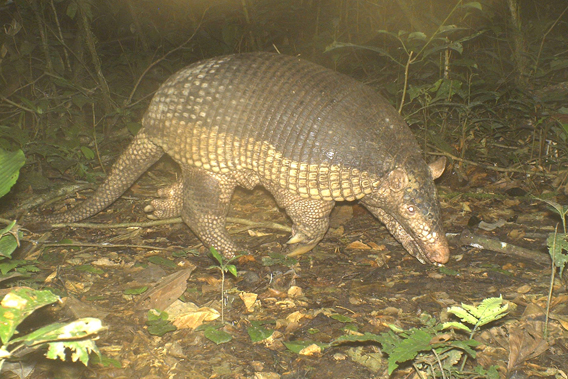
310	218
206	198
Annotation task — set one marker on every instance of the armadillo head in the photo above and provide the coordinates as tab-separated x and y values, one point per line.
406	202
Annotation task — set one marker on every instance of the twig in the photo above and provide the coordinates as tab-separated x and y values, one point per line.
468	238
176	220
499	169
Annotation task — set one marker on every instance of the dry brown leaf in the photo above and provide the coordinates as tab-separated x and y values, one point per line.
295	316
166	291
295	291
313	349
358	245
190	316
526	337
249	299
524	289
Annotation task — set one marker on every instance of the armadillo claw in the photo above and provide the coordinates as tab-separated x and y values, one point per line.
301	249
296	238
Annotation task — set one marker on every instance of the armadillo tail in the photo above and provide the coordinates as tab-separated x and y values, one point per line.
134	161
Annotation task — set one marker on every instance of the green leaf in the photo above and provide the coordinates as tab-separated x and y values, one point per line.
80	328
71	10
155	314
473	4
297	346
10	164
407	349
557	248
367	337
467	346
162	261
8	242
19	304
136	291
233	270
158	323
216	255
88	153
8	266
80	350
216	335
258	333
105	361
342	318
489	310
456	325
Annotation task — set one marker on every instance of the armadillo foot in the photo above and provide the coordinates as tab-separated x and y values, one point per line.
168	205
310	218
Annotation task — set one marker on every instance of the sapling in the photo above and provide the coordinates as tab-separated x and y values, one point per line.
224	267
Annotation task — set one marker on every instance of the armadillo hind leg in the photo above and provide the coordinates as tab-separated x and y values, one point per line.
168	205
310	219
206	198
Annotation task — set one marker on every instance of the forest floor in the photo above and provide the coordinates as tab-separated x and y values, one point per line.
357	280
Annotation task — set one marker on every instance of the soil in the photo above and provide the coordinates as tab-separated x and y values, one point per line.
357	280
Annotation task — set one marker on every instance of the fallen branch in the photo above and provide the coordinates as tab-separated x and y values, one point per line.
470	239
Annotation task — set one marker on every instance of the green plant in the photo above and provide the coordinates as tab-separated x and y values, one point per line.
558	249
489	310
432	352
77	336
158	323
224	267
10	164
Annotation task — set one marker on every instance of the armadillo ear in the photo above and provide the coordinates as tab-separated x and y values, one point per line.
397	180
437	167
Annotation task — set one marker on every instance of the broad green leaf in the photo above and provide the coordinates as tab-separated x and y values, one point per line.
457	325
233	270
407	349
342	318
473	4
360	338
216	255
136	291
467	346
88	153
10	164
162	261
258	333
74	330
19	304
80	350
216	335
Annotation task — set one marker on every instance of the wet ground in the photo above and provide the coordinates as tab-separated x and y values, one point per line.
359	279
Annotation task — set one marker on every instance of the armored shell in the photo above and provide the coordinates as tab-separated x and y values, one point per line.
309	135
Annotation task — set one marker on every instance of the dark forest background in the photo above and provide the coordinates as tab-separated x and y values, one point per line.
75	75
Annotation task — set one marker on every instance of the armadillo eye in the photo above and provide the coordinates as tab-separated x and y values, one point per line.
410	209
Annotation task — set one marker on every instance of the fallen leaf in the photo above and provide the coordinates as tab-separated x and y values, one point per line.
249	299
295	291
295	316
358	245
310	350
166	291
190	316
